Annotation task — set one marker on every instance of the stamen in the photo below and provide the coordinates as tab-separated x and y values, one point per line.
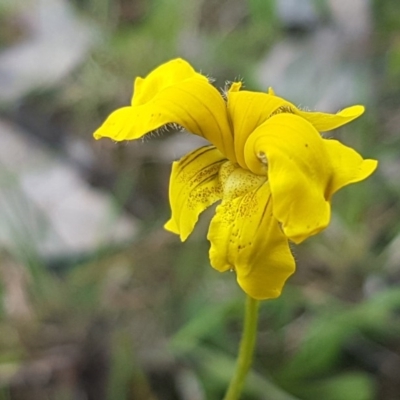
263	158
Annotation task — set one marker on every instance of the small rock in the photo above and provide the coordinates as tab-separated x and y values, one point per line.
57	42
297	15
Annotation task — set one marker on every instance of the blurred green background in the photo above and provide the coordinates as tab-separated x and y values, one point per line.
146	317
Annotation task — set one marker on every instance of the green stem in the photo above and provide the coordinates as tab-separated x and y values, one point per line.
246	350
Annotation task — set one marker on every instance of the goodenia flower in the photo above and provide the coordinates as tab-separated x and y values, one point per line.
267	163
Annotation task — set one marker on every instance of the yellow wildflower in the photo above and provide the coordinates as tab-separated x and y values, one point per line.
267	163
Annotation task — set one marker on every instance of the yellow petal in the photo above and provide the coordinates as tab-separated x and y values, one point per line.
245	237
173	93
194	186
323	122
117	125
347	165
299	173
248	110
164	76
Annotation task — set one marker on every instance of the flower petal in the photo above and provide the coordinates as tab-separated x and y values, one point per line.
323	122
246	237
348	166
299	173
117	125
166	75
173	93
194	186
247	110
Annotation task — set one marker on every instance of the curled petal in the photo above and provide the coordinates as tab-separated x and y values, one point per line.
347	165
299	173
248	110
245	237
194	186
173	93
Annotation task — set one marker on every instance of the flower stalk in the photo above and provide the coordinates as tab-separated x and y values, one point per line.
246	350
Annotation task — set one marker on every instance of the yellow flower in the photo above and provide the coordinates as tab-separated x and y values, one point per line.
268	164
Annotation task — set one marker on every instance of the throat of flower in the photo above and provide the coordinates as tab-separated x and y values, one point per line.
237	181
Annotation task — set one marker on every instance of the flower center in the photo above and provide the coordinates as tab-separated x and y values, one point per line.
237	181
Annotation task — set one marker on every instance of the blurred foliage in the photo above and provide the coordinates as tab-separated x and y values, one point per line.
153	321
